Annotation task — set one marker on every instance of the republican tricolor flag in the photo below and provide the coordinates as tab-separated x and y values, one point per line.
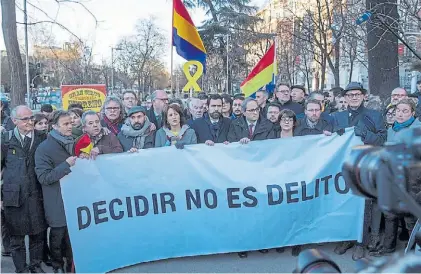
262	74
186	38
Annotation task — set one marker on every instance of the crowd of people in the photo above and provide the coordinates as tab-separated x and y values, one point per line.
39	149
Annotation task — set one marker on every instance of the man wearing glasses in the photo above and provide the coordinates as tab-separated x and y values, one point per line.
251	126
159	104
397	95
283	95
21	191
369	126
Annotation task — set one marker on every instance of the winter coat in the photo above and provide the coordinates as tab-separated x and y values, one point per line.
368	119
51	167
109	144
6	122
203	129
163	136
127	141
152	118
239	129
302	128
296	107
405	136
21	192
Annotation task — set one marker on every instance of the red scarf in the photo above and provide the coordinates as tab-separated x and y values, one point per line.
114	127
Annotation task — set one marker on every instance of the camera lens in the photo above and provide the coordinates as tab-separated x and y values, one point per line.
315	261
359	170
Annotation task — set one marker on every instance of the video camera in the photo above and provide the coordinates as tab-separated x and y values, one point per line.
391	175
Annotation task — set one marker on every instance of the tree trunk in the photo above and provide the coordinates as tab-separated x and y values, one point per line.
383	62
18	87
323	72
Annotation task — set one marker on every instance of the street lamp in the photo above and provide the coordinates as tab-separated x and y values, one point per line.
112	67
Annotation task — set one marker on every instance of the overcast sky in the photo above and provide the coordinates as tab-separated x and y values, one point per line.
117	18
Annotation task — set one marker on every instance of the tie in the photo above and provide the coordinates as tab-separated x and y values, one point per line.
159	120
251	131
27	143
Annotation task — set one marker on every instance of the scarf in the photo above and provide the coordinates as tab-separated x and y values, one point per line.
67	141
19	137
398	126
138	135
96	139
172	138
77	132
310	124
114	127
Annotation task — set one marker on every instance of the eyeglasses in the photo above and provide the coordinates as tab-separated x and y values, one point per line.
287	119
390	114
26	119
353	95
398	95
253	110
163	99
284	91
112	108
404	111
129	98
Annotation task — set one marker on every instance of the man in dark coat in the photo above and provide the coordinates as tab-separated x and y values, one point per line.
262	97
283	95
136	134
21	192
159	103
250	127
212	128
369	126
312	124
53	160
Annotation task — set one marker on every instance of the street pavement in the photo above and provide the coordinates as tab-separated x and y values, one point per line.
271	262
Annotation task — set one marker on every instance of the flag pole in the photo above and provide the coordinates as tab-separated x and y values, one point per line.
172	43
275	67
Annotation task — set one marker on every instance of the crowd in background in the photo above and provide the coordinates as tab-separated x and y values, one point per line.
39	149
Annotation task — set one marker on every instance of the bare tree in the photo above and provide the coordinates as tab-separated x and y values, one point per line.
147	44
18	86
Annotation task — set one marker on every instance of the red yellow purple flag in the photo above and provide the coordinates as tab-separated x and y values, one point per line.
186	38
262	74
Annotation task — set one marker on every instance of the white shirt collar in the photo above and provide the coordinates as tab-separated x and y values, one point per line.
213	121
27	135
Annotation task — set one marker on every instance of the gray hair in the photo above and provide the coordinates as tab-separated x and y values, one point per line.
89	112
14	112
116	100
194	101
154	94
316	93
264	92
245	102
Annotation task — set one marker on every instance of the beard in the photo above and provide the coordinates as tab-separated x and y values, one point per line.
137	126
215	115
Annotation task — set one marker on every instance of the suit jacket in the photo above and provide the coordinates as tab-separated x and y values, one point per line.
239	129
203	129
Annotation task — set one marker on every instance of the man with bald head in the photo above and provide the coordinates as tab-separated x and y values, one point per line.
397	95
21	191
159	104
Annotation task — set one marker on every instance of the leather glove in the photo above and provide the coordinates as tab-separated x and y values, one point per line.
361	132
341	131
179	145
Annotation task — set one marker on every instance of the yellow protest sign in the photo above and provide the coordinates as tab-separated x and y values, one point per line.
91	97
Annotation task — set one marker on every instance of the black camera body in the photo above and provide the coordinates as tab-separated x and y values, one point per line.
391	175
